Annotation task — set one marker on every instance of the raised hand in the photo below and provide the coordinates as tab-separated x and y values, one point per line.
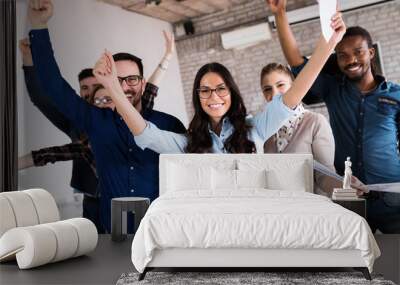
105	71
276	6
25	48
339	28
39	13
169	44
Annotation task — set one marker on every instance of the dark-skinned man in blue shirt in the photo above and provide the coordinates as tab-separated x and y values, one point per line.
364	112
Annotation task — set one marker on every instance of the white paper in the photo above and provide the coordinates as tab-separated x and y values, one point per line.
388	187
326	171
383	187
327	8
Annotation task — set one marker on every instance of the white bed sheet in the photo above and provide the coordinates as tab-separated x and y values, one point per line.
252	218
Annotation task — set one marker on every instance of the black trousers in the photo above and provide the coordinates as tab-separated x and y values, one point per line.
91	211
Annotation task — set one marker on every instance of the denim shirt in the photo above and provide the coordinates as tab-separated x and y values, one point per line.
124	170
264	125
365	126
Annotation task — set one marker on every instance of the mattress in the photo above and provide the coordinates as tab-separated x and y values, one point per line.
251	219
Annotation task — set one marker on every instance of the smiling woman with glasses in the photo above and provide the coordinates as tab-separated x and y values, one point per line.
205	92
220	123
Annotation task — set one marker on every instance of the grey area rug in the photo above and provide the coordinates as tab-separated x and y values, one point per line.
232	278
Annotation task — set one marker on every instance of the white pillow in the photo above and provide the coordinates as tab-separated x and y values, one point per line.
223	179
251	178
183	177
282	172
292	179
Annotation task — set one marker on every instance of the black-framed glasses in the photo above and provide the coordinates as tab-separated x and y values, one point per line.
205	92
131	80
102	100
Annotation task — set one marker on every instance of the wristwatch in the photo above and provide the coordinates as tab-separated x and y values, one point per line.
163	66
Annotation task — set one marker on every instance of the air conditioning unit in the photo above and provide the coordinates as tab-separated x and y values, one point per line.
245	37
312	12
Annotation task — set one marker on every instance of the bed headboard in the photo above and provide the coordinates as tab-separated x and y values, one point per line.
284	169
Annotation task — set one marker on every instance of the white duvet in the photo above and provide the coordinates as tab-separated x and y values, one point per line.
253	218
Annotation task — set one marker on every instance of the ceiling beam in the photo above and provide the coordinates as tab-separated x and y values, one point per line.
172	10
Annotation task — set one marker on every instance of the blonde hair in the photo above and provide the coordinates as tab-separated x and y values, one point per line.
271	67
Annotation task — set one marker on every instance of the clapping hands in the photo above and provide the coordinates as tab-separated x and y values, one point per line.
105	70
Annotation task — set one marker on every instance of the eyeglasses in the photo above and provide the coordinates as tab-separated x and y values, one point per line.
102	101
205	92
131	80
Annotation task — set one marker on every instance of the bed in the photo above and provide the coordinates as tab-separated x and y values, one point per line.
245	211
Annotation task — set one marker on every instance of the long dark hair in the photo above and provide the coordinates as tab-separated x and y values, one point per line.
199	138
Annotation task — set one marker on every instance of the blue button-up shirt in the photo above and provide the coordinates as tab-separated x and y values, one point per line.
123	168
365	126
263	125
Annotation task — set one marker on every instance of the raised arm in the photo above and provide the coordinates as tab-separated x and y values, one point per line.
25	161
71	151
154	80
286	38
309	73
106	73
146	134
41	101
159	72
64	97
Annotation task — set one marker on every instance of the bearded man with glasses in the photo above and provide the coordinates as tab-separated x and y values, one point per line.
122	167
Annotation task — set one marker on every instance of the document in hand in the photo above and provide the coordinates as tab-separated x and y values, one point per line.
327	8
386	187
326	171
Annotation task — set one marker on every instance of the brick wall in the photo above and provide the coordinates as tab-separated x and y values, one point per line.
382	21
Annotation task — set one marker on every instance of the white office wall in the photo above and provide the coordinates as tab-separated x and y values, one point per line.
80	30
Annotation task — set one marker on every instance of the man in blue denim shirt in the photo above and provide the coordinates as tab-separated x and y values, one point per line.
364	111
122	167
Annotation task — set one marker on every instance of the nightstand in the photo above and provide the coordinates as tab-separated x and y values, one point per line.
357	205
119	208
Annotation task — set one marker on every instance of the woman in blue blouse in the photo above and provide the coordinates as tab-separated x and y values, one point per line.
220	123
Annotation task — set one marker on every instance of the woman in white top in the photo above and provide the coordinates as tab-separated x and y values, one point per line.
219	124
303	132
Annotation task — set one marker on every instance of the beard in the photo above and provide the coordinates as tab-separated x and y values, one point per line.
134	96
359	75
